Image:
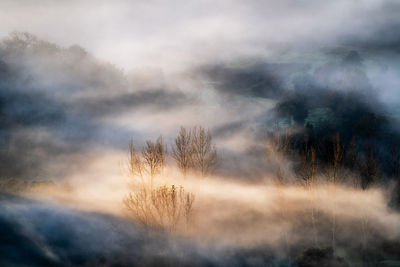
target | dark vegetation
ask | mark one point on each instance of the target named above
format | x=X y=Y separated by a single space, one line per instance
x=315 y=257
x=333 y=121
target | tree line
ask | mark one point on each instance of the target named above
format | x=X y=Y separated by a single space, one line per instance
x=364 y=162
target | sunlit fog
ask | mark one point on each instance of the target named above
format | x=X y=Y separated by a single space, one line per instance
x=200 y=133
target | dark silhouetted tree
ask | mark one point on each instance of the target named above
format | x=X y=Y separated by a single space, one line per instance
x=204 y=152
x=182 y=152
x=154 y=157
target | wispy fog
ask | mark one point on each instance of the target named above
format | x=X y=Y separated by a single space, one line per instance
x=301 y=99
x=167 y=34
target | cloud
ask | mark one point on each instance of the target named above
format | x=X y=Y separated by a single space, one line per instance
x=175 y=33
x=107 y=106
x=53 y=102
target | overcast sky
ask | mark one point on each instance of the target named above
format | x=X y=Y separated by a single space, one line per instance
x=159 y=33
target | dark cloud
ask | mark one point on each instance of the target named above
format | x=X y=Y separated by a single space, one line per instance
x=39 y=234
x=267 y=80
x=53 y=100
x=158 y=99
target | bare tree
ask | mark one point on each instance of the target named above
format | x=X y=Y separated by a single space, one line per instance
x=182 y=152
x=338 y=149
x=139 y=205
x=278 y=146
x=307 y=173
x=352 y=161
x=154 y=157
x=277 y=143
x=166 y=207
x=352 y=154
x=308 y=167
x=394 y=160
x=369 y=168
x=149 y=161
x=135 y=163
x=204 y=153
